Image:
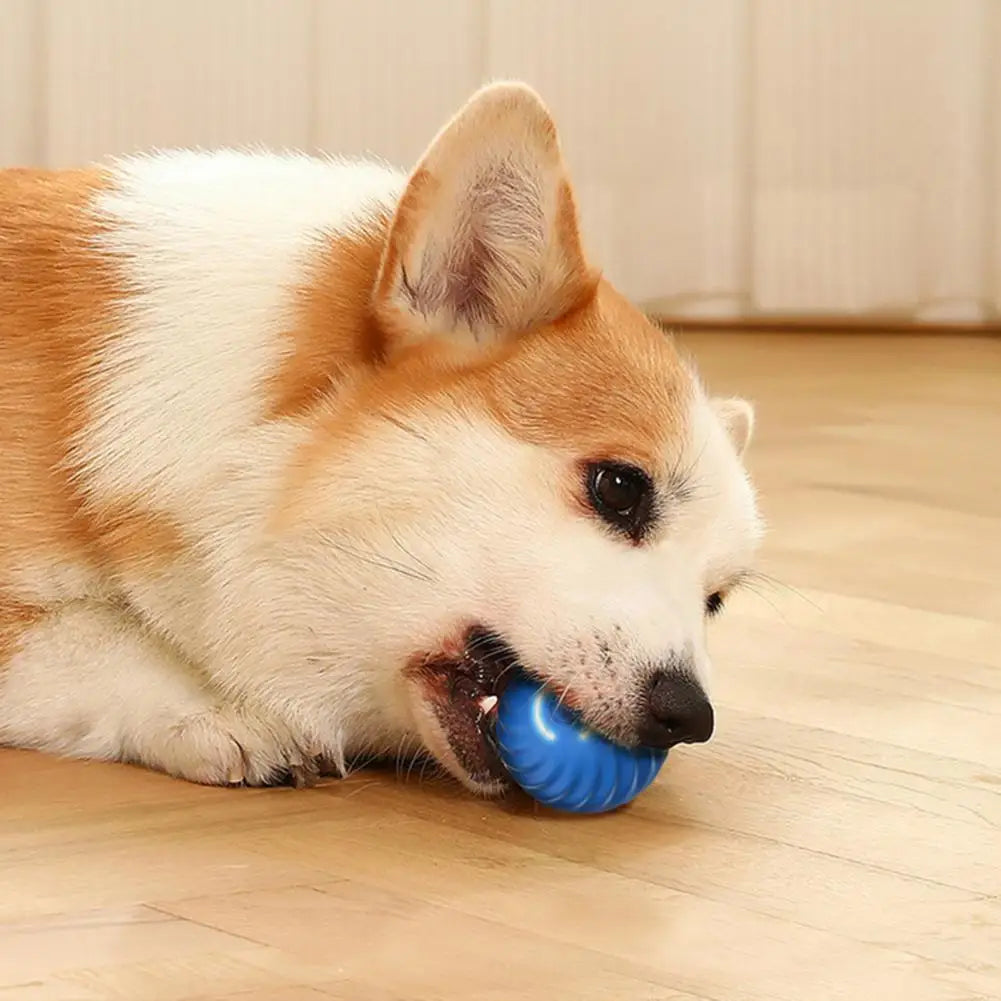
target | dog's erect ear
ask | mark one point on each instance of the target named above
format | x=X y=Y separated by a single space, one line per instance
x=737 y=418
x=485 y=238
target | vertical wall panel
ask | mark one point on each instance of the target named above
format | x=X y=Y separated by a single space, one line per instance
x=20 y=96
x=835 y=199
x=389 y=74
x=992 y=128
x=125 y=75
x=649 y=97
x=952 y=161
x=870 y=156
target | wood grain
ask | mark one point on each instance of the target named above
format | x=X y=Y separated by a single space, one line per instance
x=839 y=839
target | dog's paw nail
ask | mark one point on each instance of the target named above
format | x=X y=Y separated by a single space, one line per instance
x=304 y=776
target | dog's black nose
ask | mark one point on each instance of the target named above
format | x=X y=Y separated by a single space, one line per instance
x=676 y=711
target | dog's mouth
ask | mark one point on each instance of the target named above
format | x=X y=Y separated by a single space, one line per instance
x=461 y=690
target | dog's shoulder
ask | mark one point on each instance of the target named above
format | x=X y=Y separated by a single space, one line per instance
x=156 y=309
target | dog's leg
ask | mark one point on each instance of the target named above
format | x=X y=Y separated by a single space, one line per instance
x=85 y=680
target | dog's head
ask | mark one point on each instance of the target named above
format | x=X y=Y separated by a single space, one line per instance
x=528 y=475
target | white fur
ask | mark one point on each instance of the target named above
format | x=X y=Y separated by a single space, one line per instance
x=212 y=246
x=90 y=682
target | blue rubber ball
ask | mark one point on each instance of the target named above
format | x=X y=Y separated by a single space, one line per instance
x=562 y=763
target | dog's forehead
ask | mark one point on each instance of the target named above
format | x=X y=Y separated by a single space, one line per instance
x=603 y=382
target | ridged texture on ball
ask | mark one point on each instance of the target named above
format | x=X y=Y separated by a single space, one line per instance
x=559 y=761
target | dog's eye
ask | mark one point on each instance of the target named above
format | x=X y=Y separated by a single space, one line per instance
x=622 y=495
x=714 y=603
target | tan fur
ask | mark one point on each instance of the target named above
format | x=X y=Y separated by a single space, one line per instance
x=58 y=296
x=127 y=534
x=610 y=355
x=16 y=618
x=335 y=331
x=633 y=381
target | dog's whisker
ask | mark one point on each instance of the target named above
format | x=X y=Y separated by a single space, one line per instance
x=429 y=764
x=403 y=425
x=376 y=559
x=415 y=756
x=695 y=490
x=408 y=553
x=319 y=656
x=679 y=478
x=765 y=579
x=566 y=689
x=404 y=756
x=398 y=757
x=358 y=764
x=758 y=593
x=360 y=789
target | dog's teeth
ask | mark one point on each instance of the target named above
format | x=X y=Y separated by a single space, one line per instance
x=488 y=703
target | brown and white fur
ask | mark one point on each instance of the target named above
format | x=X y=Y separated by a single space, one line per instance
x=276 y=432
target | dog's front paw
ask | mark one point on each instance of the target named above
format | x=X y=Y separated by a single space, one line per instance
x=228 y=747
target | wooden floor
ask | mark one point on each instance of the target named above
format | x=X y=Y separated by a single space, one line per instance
x=839 y=839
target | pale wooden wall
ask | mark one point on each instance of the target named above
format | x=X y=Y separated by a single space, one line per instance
x=734 y=157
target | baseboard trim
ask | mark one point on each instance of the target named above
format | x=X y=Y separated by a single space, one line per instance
x=826 y=325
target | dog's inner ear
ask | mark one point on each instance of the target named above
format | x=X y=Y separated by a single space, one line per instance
x=485 y=239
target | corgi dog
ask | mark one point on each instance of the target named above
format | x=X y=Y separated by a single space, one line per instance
x=301 y=457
